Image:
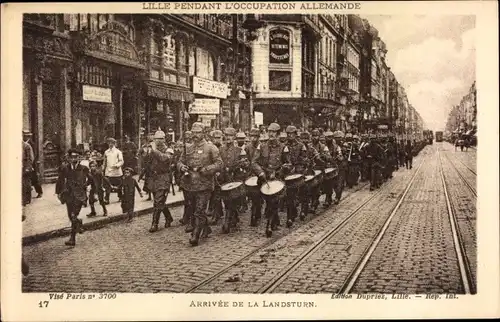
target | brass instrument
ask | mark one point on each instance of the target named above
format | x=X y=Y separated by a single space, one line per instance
x=350 y=153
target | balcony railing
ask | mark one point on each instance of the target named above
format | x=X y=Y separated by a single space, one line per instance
x=217 y=24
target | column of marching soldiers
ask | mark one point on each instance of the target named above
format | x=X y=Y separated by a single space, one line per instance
x=280 y=170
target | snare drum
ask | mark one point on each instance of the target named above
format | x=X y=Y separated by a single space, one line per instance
x=294 y=181
x=330 y=173
x=273 y=190
x=319 y=175
x=251 y=185
x=309 y=181
x=232 y=190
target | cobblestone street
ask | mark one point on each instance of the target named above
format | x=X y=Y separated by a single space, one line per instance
x=415 y=253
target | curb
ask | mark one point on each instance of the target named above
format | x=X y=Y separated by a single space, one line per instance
x=94 y=225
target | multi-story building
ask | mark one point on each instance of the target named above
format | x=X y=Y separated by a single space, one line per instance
x=91 y=76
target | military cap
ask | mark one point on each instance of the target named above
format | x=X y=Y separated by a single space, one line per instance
x=229 y=131
x=348 y=136
x=264 y=137
x=129 y=169
x=254 y=132
x=315 y=132
x=283 y=135
x=189 y=132
x=197 y=127
x=74 y=151
x=111 y=140
x=241 y=135
x=291 y=129
x=274 y=127
x=328 y=134
x=216 y=134
x=338 y=134
x=170 y=150
x=305 y=135
x=159 y=134
x=355 y=137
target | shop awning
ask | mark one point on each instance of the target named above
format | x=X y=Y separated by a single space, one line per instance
x=168 y=92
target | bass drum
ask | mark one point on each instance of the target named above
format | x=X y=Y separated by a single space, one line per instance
x=273 y=190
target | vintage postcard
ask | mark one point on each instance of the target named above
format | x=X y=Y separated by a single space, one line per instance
x=249 y=160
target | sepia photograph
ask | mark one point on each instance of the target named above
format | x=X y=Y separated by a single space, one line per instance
x=253 y=152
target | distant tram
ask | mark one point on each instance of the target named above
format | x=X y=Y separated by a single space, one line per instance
x=439 y=136
x=428 y=136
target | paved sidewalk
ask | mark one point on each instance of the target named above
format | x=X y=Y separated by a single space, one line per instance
x=47 y=217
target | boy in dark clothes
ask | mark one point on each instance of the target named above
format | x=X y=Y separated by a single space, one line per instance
x=98 y=186
x=128 y=186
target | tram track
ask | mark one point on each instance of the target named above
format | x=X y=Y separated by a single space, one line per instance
x=467 y=279
x=462 y=177
x=271 y=241
x=359 y=266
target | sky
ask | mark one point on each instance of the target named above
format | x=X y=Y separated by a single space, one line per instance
x=432 y=57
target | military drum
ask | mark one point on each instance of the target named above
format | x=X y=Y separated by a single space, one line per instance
x=294 y=181
x=232 y=190
x=273 y=190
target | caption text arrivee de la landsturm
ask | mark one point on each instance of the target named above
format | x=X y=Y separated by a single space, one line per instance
x=251 y=6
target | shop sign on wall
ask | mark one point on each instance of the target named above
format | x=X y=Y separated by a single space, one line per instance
x=205 y=106
x=209 y=87
x=259 y=118
x=96 y=94
x=279 y=46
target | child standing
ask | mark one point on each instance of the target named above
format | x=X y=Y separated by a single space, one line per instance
x=98 y=186
x=127 y=189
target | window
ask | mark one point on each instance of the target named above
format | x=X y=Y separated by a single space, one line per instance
x=169 y=52
x=204 y=64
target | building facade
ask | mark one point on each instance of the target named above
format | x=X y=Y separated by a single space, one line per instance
x=87 y=77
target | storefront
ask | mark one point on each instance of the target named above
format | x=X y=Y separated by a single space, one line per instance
x=107 y=81
x=46 y=93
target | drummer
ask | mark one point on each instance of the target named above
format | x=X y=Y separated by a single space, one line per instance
x=198 y=165
x=323 y=159
x=297 y=162
x=251 y=151
x=232 y=168
x=338 y=156
x=215 y=206
x=267 y=164
x=329 y=183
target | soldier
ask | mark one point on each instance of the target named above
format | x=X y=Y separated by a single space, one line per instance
x=199 y=164
x=71 y=189
x=374 y=155
x=342 y=166
x=334 y=150
x=230 y=154
x=215 y=206
x=283 y=137
x=409 y=154
x=252 y=150
x=309 y=194
x=267 y=164
x=297 y=163
x=365 y=165
x=240 y=139
x=320 y=163
x=159 y=184
x=242 y=175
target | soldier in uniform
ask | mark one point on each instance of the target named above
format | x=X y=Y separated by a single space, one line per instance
x=71 y=189
x=160 y=182
x=252 y=149
x=267 y=163
x=320 y=163
x=342 y=165
x=297 y=163
x=28 y=159
x=230 y=154
x=333 y=150
x=199 y=164
x=374 y=153
x=242 y=175
x=215 y=206
x=283 y=138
